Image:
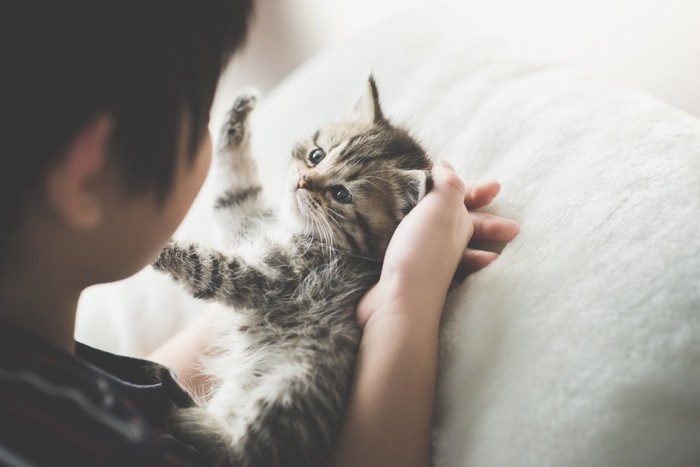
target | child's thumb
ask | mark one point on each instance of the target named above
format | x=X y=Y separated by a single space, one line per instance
x=445 y=178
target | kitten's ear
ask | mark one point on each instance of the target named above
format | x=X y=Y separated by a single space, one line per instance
x=367 y=107
x=414 y=185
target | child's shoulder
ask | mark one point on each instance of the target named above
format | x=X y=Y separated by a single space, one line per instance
x=93 y=408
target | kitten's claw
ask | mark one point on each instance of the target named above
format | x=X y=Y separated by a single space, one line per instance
x=235 y=129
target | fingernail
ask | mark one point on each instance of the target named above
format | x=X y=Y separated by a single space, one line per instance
x=444 y=163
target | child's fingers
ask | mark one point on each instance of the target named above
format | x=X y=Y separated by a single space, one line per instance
x=491 y=228
x=479 y=194
x=472 y=261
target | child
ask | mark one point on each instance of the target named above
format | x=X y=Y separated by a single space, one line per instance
x=104 y=147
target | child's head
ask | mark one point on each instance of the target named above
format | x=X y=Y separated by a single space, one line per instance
x=104 y=109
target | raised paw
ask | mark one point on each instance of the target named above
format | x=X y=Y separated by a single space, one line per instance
x=235 y=129
x=170 y=259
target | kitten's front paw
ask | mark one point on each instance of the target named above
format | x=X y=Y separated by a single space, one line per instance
x=235 y=129
x=169 y=258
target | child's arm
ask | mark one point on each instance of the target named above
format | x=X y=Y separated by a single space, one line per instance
x=389 y=415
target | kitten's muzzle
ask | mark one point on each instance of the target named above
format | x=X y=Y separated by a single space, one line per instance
x=305 y=183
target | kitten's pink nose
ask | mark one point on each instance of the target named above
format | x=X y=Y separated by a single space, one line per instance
x=305 y=183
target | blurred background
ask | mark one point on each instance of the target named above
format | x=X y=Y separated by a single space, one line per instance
x=651 y=45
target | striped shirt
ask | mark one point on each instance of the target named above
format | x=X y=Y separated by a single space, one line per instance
x=88 y=409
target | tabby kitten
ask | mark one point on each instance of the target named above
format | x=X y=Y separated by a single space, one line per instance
x=293 y=278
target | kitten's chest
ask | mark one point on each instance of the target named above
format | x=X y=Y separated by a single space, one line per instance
x=304 y=272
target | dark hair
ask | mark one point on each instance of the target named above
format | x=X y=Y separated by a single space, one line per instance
x=147 y=63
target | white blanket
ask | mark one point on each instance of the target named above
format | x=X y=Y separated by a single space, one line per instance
x=580 y=346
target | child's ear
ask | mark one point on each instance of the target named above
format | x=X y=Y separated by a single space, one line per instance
x=367 y=107
x=72 y=184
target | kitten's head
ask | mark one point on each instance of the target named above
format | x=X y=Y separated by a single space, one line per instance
x=353 y=181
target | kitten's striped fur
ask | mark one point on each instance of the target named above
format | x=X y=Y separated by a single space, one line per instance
x=294 y=277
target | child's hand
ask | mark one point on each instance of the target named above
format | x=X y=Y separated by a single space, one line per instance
x=429 y=246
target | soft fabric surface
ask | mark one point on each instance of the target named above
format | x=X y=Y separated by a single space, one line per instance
x=580 y=346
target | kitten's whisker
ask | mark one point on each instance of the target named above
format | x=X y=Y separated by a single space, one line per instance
x=334 y=220
x=366 y=258
x=333 y=211
x=331 y=238
x=330 y=235
x=328 y=232
x=320 y=228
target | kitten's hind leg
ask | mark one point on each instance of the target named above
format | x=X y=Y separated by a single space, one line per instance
x=290 y=426
x=238 y=192
x=209 y=435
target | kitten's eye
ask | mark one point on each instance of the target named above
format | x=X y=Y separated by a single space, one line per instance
x=316 y=155
x=341 y=194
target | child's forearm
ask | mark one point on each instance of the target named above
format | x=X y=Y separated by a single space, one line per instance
x=389 y=414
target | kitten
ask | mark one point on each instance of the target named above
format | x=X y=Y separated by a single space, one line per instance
x=293 y=277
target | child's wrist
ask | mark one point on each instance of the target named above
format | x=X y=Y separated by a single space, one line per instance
x=397 y=302
x=402 y=325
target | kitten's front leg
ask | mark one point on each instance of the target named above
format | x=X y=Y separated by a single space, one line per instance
x=239 y=193
x=212 y=275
